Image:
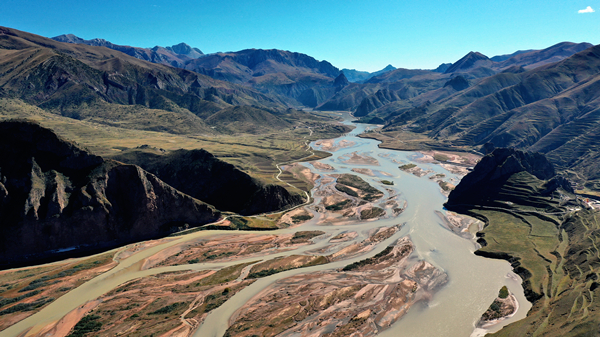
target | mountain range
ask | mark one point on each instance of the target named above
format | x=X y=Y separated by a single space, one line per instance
x=175 y=55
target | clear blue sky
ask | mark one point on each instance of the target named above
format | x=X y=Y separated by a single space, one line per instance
x=365 y=35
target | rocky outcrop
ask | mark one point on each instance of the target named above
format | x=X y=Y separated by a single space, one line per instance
x=491 y=176
x=457 y=83
x=58 y=199
x=201 y=175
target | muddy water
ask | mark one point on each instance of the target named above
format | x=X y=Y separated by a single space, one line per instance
x=453 y=311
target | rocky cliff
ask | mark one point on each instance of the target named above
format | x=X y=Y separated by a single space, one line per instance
x=201 y=175
x=507 y=175
x=58 y=199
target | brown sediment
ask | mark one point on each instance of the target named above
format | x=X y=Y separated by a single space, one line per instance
x=343 y=237
x=385 y=173
x=363 y=159
x=40 y=286
x=414 y=170
x=360 y=302
x=364 y=171
x=329 y=144
x=322 y=166
x=295 y=217
x=376 y=235
x=228 y=247
x=168 y=304
x=302 y=171
x=280 y=264
x=462 y=225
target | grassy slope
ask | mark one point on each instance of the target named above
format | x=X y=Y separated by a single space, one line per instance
x=553 y=248
x=255 y=154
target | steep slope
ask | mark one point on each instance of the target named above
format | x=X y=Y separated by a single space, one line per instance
x=175 y=56
x=199 y=174
x=533 y=221
x=57 y=199
x=470 y=61
x=243 y=119
x=537 y=58
x=299 y=77
x=79 y=80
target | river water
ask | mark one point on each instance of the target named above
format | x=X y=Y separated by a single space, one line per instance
x=454 y=310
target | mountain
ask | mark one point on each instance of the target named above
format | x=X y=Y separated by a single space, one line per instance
x=202 y=176
x=57 y=199
x=360 y=76
x=470 y=61
x=553 y=109
x=301 y=79
x=175 y=56
x=101 y=84
x=536 y=58
x=500 y=58
x=442 y=67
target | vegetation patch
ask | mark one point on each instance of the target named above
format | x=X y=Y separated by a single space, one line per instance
x=278 y=265
x=372 y=260
x=371 y=213
x=168 y=309
x=86 y=325
x=407 y=167
x=440 y=157
x=340 y=205
x=301 y=218
x=304 y=236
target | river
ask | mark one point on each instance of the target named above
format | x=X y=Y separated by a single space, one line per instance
x=453 y=311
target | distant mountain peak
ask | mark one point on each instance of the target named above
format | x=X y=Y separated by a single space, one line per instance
x=472 y=60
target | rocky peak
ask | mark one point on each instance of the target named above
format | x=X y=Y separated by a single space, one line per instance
x=470 y=61
x=341 y=80
x=185 y=49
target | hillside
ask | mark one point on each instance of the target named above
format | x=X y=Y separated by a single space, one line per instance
x=360 y=76
x=202 y=176
x=175 y=56
x=100 y=84
x=299 y=77
x=58 y=200
x=533 y=221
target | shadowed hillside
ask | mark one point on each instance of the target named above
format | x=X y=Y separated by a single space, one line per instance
x=57 y=199
x=533 y=221
x=201 y=175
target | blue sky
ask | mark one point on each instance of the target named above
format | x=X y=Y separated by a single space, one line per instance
x=365 y=35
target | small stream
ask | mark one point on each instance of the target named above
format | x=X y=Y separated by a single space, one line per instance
x=454 y=310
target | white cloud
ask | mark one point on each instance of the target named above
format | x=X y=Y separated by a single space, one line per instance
x=589 y=9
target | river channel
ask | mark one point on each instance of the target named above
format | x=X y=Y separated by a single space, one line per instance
x=454 y=310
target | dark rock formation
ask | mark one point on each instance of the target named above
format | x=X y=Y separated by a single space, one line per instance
x=489 y=180
x=201 y=175
x=58 y=199
x=340 y=81
x=457 y=83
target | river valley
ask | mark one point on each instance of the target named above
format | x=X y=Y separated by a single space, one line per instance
x=463 y=285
